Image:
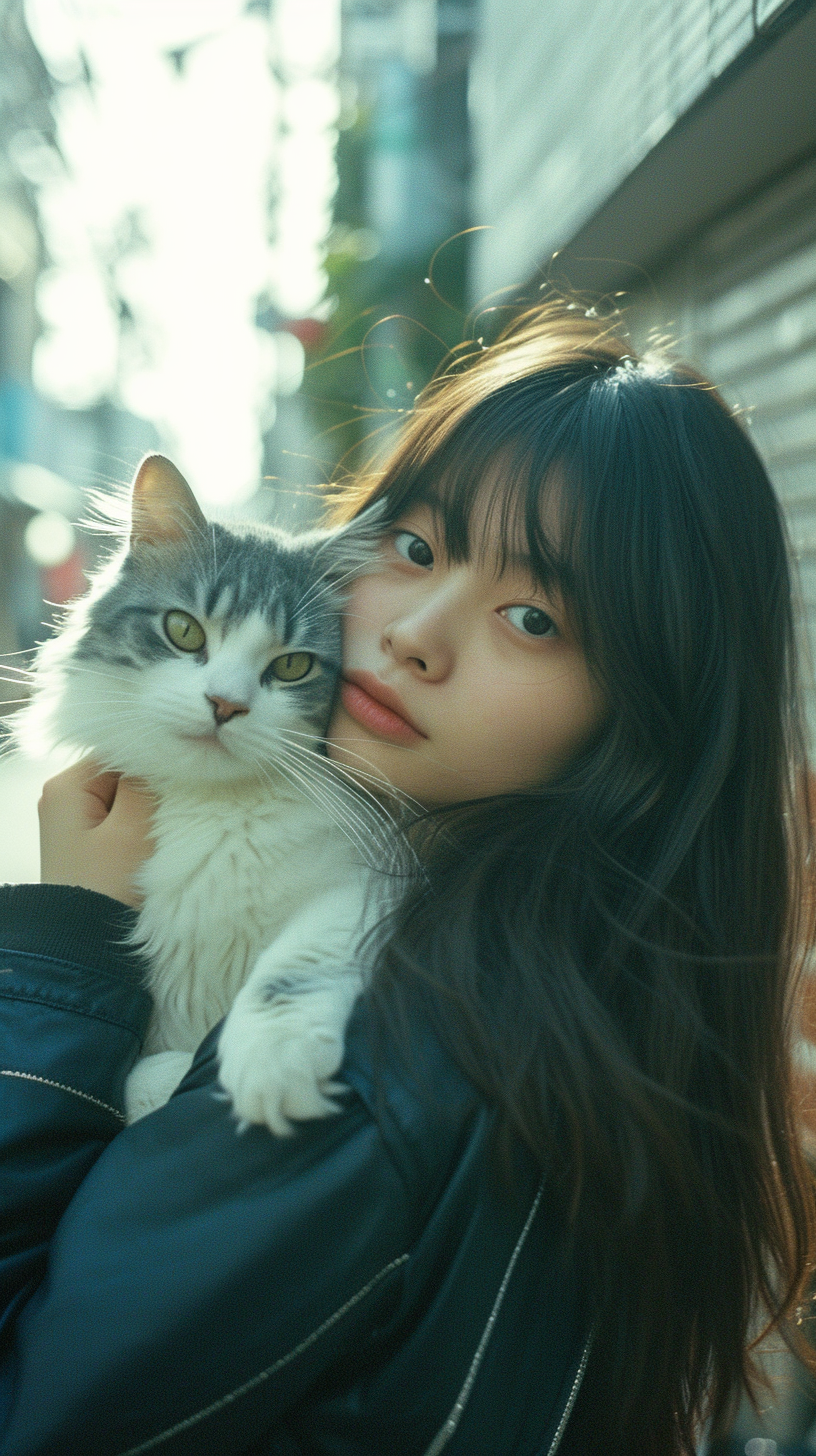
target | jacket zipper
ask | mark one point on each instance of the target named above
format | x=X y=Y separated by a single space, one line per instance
x=573 y=1395
x=448 y=1427
x=185 y=1425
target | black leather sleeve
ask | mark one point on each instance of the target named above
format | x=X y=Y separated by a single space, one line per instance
x=198 y=1280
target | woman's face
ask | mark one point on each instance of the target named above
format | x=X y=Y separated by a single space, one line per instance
x=458 y=681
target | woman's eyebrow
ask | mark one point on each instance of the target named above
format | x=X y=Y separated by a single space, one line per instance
x=511 y=558
x=518 y=561
x=427 y=496
x=523 y=564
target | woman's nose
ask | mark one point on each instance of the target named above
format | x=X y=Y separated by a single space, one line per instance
x=422 y=641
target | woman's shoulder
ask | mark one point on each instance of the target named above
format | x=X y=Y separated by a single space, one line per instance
x=411 y=1086
x=402 y=1095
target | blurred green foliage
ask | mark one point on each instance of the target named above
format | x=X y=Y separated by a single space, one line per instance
x=393 y=322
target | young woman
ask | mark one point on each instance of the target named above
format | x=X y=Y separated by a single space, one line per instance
x=566 y=1175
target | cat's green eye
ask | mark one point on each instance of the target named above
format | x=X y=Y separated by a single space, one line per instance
x=184 y=631
x=292 y=666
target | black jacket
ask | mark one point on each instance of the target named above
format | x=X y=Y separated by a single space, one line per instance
x=362 y=1288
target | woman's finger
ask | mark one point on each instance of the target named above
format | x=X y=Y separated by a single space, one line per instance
x=68 y=795
x=131 y=801
x=95 y=830
x=103 y=788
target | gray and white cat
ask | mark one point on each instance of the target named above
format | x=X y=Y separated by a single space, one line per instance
x=204 y=661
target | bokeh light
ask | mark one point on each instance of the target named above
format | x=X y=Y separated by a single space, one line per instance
x=175 y=118
x=49 y=538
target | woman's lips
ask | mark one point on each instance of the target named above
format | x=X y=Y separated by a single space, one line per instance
x=362 y=697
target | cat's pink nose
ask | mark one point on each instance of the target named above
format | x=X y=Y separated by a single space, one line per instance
x=223 y=709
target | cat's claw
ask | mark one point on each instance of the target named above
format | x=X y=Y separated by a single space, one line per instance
x=275 y=1070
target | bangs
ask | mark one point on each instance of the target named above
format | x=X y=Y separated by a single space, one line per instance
x=510 y=507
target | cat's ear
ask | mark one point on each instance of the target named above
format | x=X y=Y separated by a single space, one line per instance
x=163 y=508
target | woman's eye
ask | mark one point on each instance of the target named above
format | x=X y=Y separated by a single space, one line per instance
x=291 y=666
x=184 y=631
x=412 y=548
x=532 y=620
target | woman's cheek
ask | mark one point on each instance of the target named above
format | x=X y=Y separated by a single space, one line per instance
x=533 y=730
x=355 y=613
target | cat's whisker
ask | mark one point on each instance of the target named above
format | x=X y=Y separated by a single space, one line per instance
x=113 y=673
x=317 y=592
x=17 y=676
x=347 y=821
x=331 y=588
x=395 y=839
x=109 y=676
x=391 y=853
x=141 y=738
x=374 y=817
x=330 y=770
x=378 y=822
x=125 y=694
x=405 y=801
x=301 y=781
x=313 y=586
x=334 y=804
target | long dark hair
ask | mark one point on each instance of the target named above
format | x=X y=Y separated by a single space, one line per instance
x=614 y=957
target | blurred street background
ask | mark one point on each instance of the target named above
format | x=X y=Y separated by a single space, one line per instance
x=246 y=232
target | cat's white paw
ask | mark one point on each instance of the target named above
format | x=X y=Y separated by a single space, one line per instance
x=277 y=1063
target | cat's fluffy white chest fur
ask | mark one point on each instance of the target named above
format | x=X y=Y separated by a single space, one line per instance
x=272 y=857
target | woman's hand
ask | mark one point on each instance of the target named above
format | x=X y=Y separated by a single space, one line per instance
x=94 y=831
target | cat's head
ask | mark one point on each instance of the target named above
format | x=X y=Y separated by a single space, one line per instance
x=202 y=653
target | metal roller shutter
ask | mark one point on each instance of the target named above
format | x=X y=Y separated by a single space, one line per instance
x=743 y=300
